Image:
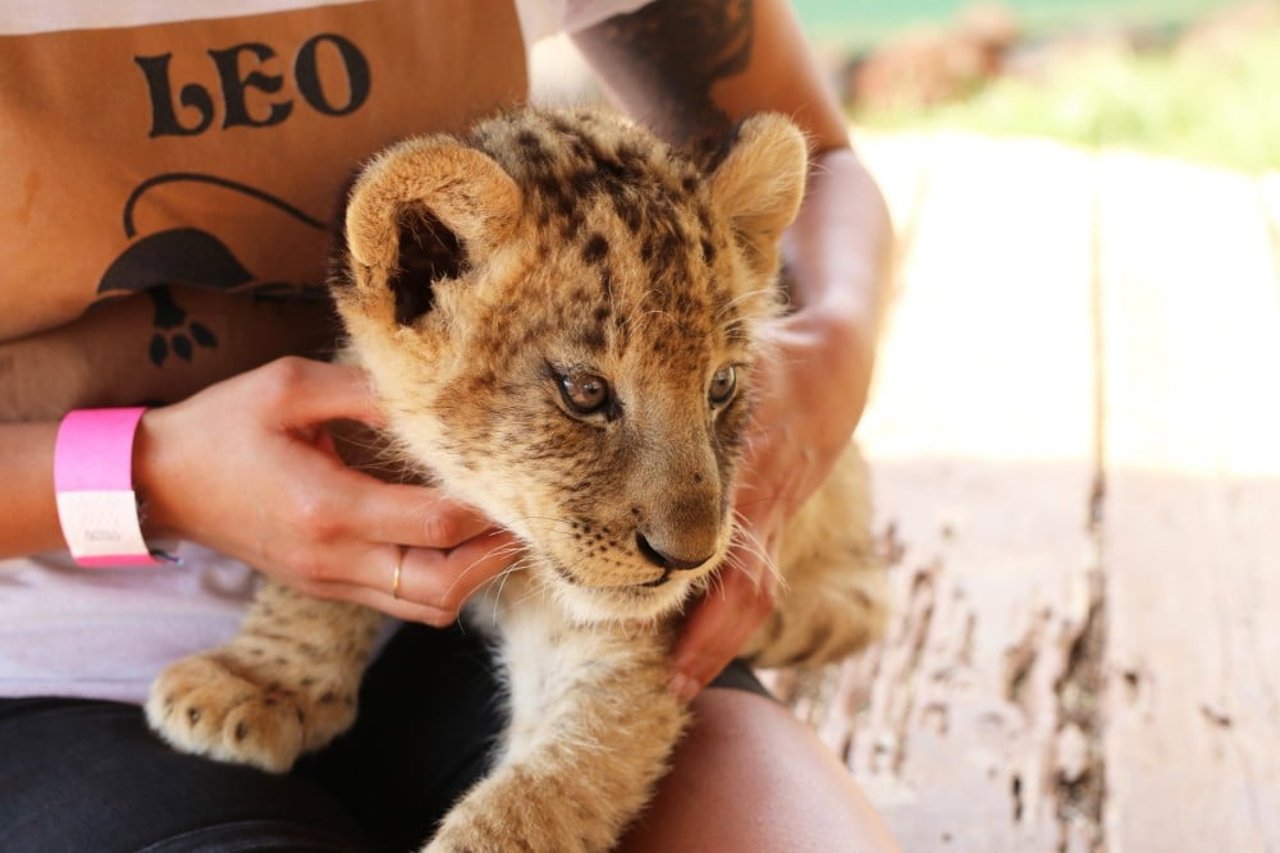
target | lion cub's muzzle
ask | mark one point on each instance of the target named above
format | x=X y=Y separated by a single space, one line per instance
x=682 y=535
x=652 y=577
x=668 y=562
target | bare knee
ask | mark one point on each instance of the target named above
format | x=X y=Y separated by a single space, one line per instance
x=749 y=776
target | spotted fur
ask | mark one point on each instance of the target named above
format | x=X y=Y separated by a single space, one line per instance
x=479 y=272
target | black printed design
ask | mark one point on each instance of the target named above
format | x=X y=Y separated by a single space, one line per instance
x=244 y=68
x=170 y=316
x=176 y=256
x=195 y=258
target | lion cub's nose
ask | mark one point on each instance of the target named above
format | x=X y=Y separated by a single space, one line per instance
x=667 y=561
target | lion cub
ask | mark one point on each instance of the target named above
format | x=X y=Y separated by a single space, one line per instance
x=561 y=315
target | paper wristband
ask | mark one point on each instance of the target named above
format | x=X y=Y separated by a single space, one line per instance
x=93 y=477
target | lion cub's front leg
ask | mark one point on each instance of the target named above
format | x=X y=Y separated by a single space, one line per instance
x=285 y=685
x=591 y=733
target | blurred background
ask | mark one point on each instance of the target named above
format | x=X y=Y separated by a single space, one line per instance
x=1074 y=431
x=1195 y=78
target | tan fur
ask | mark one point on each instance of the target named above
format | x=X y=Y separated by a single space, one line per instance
x=479 y=271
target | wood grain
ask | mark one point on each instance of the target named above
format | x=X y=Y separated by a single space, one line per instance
x=1075 y=444
x=982 y=434
x=1191 y=314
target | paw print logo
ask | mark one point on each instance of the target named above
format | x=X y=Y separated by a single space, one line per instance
x=191 y=257
x=174 y=334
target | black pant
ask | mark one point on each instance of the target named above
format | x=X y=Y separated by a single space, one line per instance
x=80 y=775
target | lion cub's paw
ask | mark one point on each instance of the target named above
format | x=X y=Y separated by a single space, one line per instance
x=515 y=810
x=216 y=705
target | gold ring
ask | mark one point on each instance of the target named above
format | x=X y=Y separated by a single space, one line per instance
x=395 y=580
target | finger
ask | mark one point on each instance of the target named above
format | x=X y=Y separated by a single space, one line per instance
x=433 y=570
x=717 y=629
x=409 y=611
x=443 y=579
x=416 y=516
x=446 y=579
x=431 y=586
x=312 y=392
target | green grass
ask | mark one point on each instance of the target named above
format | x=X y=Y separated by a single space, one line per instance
x=1221 y=107
x=847 y=23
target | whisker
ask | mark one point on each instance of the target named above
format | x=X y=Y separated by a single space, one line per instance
x=493 y=552
x=753 y=544
x=769 y=293
x=518 y=565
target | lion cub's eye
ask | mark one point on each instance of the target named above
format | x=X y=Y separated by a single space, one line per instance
x=584 y=393
x=723 y=384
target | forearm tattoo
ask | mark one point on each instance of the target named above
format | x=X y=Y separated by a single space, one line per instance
x=683 y=48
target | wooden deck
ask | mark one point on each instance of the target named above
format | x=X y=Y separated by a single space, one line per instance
x=1075 y=444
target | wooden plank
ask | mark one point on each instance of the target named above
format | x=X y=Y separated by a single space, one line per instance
x=981 y=437
x=1191 y=319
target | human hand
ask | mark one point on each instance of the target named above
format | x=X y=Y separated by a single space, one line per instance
x=809 y=396
x=248 y=467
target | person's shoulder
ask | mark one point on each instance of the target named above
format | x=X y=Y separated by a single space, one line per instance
x=543 y=18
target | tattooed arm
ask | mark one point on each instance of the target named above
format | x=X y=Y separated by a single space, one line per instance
x=663 y=61
x=691 y=69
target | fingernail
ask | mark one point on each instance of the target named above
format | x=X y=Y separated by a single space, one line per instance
x=682 y=687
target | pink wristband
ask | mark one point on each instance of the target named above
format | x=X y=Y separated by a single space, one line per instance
x=93 y=476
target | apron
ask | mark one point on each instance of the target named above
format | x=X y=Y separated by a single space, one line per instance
x=169 y=193
x=171 y=187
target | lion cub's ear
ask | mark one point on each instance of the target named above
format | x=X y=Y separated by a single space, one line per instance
x=425 y=210
x=759 y=184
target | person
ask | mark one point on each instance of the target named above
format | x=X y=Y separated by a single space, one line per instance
x=171 y=170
